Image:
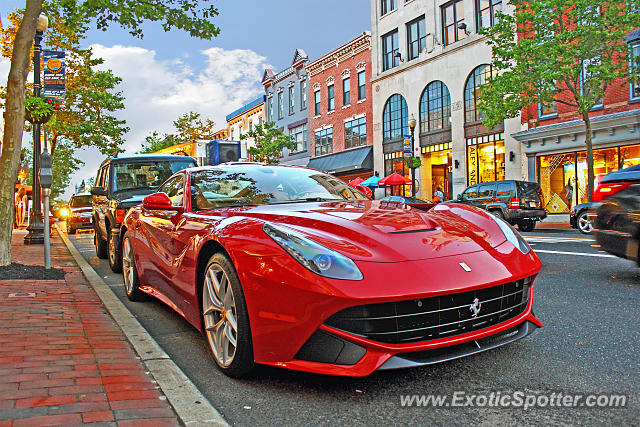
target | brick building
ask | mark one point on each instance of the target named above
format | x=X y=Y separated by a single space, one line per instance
x=556 y=152
x=287 y=104
x=340 y=110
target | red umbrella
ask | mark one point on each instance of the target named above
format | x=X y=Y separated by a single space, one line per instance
x=394 y=179
x=356 y=181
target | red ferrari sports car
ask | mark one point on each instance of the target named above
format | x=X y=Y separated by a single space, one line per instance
x=291 y=267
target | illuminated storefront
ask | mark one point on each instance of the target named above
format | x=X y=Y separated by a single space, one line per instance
x=485 y=159
x=435 y=171
x=563 y=176
x=394 y=162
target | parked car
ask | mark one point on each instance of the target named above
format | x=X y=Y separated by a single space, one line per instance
x=123 y=182
x=617 y=220
x=411 y=201
x=582 y=215
x=80 y=213
x=517 y=202
x=291 y=267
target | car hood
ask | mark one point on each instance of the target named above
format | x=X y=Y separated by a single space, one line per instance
x=385 y=232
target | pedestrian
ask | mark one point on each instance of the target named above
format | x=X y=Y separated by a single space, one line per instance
x=438 y=196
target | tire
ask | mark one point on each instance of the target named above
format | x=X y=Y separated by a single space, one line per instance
x=115 y=258
x=223 y=304
x=100 y=243
x=70 y=229
x=497 y=213
x=527 y=225
x=130 y=272
x=584 y=225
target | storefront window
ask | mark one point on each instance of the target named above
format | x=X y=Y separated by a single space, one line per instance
x=485 y=159
x=563 y=177
x=394 y=162
x=435 y=171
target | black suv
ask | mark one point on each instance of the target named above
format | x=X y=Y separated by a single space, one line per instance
x=122 y=182
x=517 y=202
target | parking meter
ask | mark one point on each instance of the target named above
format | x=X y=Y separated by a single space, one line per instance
x=46 y=179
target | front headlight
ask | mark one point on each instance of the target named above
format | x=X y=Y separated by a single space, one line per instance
x=64 y=212
x=315 y=257
x=512 y=235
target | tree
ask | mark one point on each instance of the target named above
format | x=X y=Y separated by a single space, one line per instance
x=563 y=51
x=193 y=17
x=188 y=127
x=155 y=142
x=269 y=143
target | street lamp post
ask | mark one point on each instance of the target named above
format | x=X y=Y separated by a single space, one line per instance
x=35 y=230
x=412 y=128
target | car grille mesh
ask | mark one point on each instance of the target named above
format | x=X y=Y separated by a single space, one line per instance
x=436 y=317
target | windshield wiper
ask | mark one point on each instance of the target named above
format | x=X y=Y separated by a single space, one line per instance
x=134 y=188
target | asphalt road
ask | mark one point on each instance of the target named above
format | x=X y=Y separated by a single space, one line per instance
x=590 y=344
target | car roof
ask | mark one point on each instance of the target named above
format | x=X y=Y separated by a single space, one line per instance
x=81 y=194
x=141 y=157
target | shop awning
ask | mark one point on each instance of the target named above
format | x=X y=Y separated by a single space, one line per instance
x=346 y=161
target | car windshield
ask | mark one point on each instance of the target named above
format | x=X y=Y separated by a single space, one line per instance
x=80 y=201
x=145 y=175
x=262 y=185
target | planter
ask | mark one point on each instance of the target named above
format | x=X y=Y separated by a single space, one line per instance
x=40 y=119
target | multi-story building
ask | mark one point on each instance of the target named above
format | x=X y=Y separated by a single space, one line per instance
x=340 y=121
x=555 y=149
x=243 y=120
x=287 y=104
x=428 y=61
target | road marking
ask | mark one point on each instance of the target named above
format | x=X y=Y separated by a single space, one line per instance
x=574 y=253
x=188 y=402
x=537 y=239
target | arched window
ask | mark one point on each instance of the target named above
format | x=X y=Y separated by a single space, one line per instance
x=395 y=118
x=435 y=107
x=478 y=78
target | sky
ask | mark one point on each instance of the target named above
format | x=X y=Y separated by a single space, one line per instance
x=168 y=74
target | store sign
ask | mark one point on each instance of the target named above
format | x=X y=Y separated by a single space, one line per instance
x=473 y=164
x=54 y=75
x=406 y=148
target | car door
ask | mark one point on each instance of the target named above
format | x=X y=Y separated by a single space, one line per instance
x=159 y=232
x=101 y=203
x=470 y=195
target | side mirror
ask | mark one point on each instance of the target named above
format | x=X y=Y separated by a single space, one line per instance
x=98 y=191
x=459 y=196
x=159 y=201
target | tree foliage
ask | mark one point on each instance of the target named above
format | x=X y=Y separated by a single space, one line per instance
x=563 y=51
x=194 y=17
x=269 y=143
x=190 y=126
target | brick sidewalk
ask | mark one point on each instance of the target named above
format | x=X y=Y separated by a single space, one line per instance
x=63 y=361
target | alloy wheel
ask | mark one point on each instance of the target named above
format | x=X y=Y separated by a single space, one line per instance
x=584 y=224
x=219 y=312
x=127 y=265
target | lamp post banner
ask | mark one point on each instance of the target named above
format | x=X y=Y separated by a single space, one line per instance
x=54 y=75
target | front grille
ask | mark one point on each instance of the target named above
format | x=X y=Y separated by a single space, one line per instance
x=436 y=317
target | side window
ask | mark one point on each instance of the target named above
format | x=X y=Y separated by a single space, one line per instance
x=103 y=177
x=174 y=188
x=504 y=190
x=470 y=193
x=485 y=190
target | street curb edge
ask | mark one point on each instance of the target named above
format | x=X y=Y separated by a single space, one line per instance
x=188 y=402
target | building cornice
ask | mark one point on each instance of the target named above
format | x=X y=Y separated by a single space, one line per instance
x=359 y=44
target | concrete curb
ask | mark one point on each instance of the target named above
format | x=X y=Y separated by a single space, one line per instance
x=188 y=402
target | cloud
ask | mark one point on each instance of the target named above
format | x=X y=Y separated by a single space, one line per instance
x=158 y=91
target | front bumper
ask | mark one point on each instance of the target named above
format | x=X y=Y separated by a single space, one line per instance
x=287 y=305
x=81 y=222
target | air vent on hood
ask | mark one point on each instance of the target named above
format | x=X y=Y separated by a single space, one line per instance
x=413 y=231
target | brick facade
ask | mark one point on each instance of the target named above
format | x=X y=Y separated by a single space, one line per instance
x=345 y=62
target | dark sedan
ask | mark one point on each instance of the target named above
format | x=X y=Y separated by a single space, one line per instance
x=618 y=223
